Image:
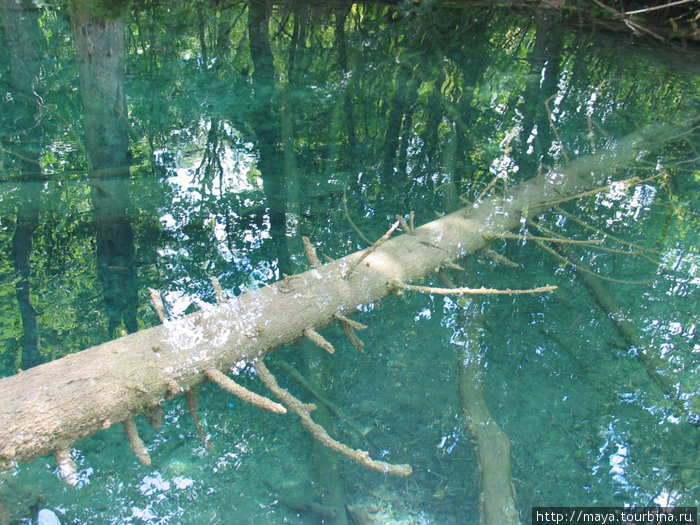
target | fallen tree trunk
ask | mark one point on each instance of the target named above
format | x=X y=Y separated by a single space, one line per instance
x=44 y=410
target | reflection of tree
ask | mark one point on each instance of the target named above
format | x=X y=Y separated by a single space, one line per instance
x=21 y=28
x=541 y=86
x=100 y=51
x=265 y=125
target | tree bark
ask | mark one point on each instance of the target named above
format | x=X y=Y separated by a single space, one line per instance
x=46 y=409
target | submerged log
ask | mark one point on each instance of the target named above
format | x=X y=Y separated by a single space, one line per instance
x=44 y=410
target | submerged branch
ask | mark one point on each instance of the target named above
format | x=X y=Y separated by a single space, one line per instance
x=319 y=433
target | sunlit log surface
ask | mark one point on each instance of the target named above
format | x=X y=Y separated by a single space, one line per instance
x=45 y=409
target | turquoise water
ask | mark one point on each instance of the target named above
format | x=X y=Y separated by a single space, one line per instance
x=209 y=138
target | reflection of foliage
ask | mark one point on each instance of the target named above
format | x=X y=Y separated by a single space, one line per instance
x=410 y=107
x=417 y=98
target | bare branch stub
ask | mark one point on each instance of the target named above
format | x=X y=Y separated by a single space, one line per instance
x=319 y=340
x=154 y=417
x=66 y=467
x=318 y=432
x=157 y=304
x=353 y=324
x=310 y=252
x=339 y=413
x=500 y=259
x=218 y=290
x=348 y=326
x=136 y=444
x=228 y=384
x=192 y=403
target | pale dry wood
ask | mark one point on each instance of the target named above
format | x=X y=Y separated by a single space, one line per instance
x=561 y=240
x=369 y=251
x=243 y=393
x=66 y=467
x=157 y=304
x=319 y=340
x=310 y=252
x=468 y=291
x=218 y=290
x=136 y=443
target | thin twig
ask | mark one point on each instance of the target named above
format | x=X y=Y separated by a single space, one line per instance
x=371 y=249
x=348 y=327
x=349 y=219
x=505 y=235
x=632 y=181
x=586 y=270
x=605 y=234
x=404 y=225
x=487 y=188
x=654 y=8
x=599 y=248
x=500 y=259
x=467 y=291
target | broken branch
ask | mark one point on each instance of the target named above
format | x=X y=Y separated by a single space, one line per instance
x=349 y=219
x=157 y=304
x=310 y=252
x=66 y=467
x=500 y=259
x=491 y=235
x=339 y=413
x=135 y=443
x=319 y=340
x=586 y=270
x=218 y=290
x=243 y=393
x=348 y=326
x=319 y=433
x=192 y=403
x=371 y=249
x=468 y=291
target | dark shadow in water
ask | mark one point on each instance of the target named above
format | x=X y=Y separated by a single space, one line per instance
x=20 y=21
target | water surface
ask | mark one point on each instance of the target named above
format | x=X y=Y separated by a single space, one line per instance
x=170 y=144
